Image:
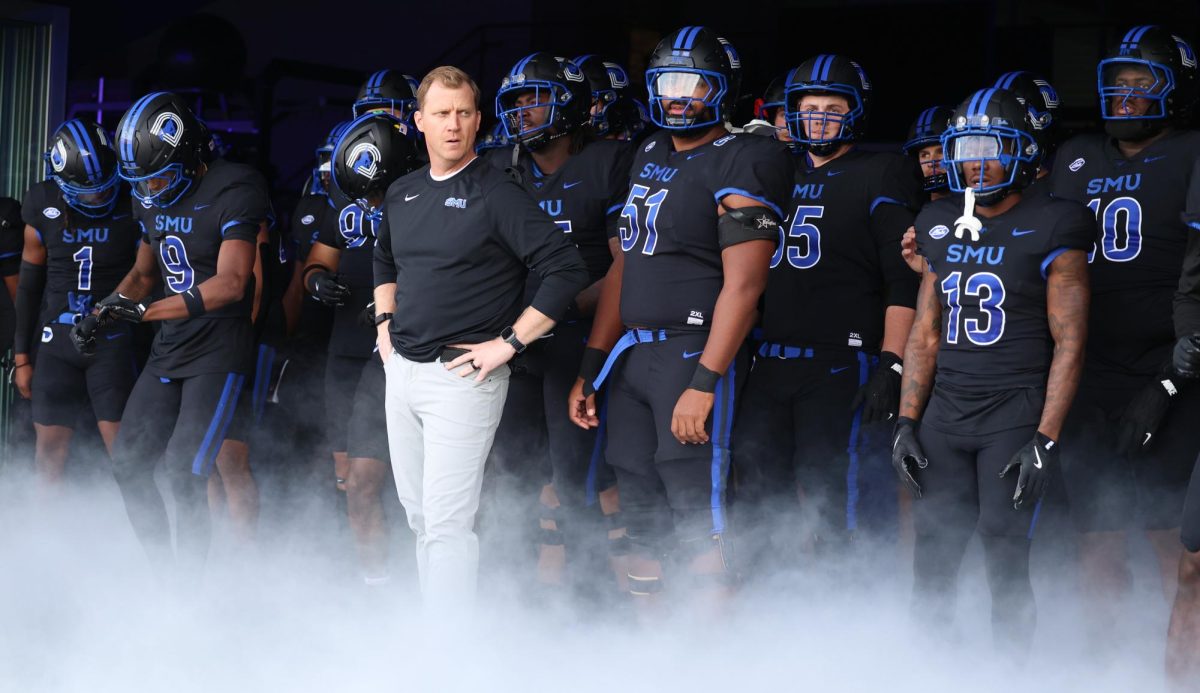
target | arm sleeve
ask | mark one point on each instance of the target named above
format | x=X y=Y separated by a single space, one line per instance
x=1187 y=294
x=29 y=302
x=385 y=264
x=244 y=205
x=533 y=238
x=893 y=209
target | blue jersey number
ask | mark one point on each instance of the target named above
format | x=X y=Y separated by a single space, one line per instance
x=1121 y=229
x=84 y=257
x=632 y=230
x=180 y=276
x=797 y=257
x=987 y=287
x=350 y=224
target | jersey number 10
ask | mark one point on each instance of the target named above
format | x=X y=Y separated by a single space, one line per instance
x=1126 y=209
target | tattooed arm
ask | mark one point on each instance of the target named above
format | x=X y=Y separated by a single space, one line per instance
x=920 y=355
x=1067 y=296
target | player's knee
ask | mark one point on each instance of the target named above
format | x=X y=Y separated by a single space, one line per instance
x=619 y=544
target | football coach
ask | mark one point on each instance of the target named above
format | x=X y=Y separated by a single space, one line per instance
x=456 y=243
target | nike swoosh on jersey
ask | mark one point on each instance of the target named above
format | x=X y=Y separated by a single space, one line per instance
x=1023 y=232
x=568 y=186
x=835 y=371
x=202 y=206
x=831 y=174
x=407 y=198
x=111 y=337
x=1153 y=158
x=693 y=156
x=690 y=354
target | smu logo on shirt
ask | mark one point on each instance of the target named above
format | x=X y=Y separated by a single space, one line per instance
x=1125 y=183
x=663 y=174
x=458 y=202
x=808 y=191
x=168 y=224
x=93 y=235
x=981 y=255
x=551 y=207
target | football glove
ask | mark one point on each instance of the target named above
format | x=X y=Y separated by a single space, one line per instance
x=907 y=455
x=1186 y=359
x=1138 y=422
x=83 y=334
x=118 y=307
x=367 y=317
x=880 y=396
x=1034 y=462
x=326 y=288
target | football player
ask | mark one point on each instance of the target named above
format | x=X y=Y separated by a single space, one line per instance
x=544 y=106
x=924 y=144
x=372 y=151
x=698 y=229
x=836 y=314
x=1130 y=440
x=200 y=224
x=770 y=117
x=992 y=362
x=80 y=240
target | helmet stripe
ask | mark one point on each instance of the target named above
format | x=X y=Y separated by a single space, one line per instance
x=1142 y=32
x=1006 y=80
x=825 y=70
x=521 y=65
x=87 y=152
x=974 y=102
x=131 y=124
x=816 y=69
x=691 y=38
x=679 y=38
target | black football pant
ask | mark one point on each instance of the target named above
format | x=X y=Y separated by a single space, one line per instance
x=182 y=421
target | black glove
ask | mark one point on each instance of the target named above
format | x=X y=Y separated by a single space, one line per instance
x=117 y=307
x=589 y=368
x=1186 y=359
x=83 y=334
x=1035 y=460
x=1139 y=420
x=880 y=396
x=907 y=455
x=367 y=317
x=326 y=288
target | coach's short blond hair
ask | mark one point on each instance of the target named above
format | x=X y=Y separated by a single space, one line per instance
x=450 y=77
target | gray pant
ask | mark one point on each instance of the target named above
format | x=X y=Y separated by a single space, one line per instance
x=440 y=429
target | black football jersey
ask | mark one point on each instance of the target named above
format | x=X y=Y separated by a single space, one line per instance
x=85 y=258
x=307 y=220
x=668 y=227
x=838 y=265
x=1139 y=245
x=349 y=230
x=228 y=203
x=993 y=291
x=584 y=197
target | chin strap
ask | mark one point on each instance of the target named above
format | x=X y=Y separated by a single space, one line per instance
x=968 y=221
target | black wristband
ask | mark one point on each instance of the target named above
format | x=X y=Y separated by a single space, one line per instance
x=382 y=318
x=590 y=366
x=310 y=274
x=194 y=302
x=704 y=380
x=906 y=421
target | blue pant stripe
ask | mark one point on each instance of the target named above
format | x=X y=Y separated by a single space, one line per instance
x=1037 y=509
x=592 y=494
x=230 y=412
x=199 y=462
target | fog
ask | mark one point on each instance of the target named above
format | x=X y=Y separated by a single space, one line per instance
x=80 y=611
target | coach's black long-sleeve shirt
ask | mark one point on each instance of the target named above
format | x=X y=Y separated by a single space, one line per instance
x=459 y=251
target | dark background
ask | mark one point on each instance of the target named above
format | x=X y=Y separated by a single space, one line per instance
x=275 y=76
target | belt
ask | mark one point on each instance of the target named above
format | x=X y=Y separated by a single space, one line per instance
x=638 y=336
x=783 y=351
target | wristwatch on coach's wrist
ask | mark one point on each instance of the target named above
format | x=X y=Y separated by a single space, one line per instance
x=382 y=318
x=510 y=337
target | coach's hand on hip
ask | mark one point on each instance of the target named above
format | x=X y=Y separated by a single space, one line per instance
x=482 y=358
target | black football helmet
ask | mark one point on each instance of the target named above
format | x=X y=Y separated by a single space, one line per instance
x=158 y=148
x=561 y=98
x=629 y=119
x=1146 y=82
x=689 y=65
x=322 y=172
x=608 y=82
x=81 y=161
x=827 y=74
x=1040 y=99
x=990 y=125
x=927 y=130
x=495 y=139
x=388 y=89
x=373 y=150
x=772 y=100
